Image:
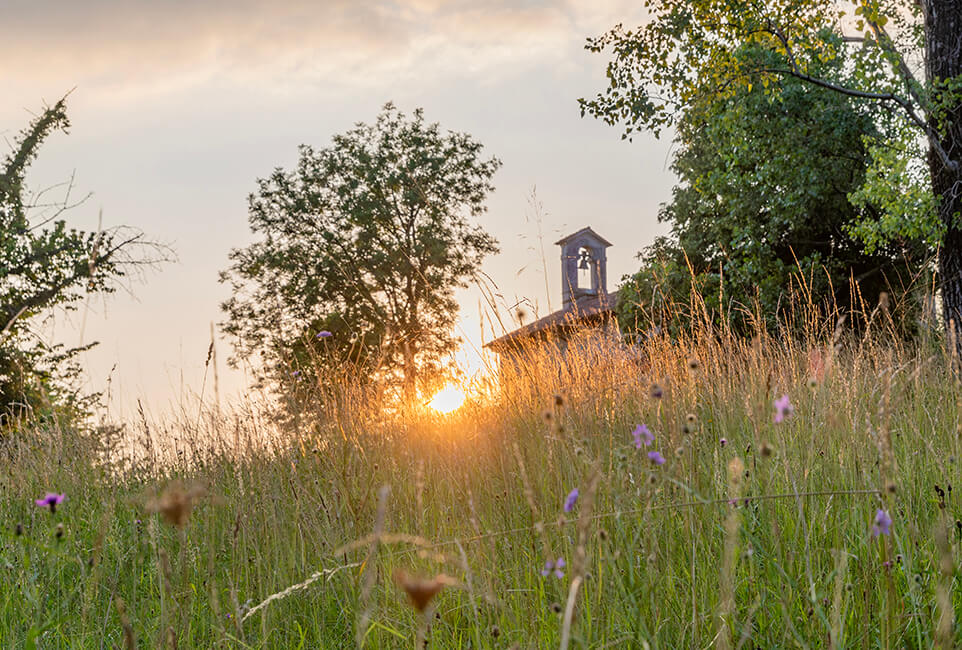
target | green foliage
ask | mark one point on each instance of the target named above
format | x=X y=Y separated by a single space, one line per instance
x=366 y=239
x=896 y=195
x=762 y=208
x=691 y=53
x=44 y=265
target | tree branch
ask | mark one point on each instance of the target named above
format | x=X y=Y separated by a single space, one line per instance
x=906 y=105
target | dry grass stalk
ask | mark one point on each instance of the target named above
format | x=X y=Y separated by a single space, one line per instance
x=368 y=565
x=945 y=615
x=841 y=568
x=130 y=641
x=726 y=599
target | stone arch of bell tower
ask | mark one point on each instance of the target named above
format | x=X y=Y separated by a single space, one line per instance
x=584 y=266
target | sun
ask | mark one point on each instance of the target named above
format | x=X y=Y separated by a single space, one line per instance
x=448 y=399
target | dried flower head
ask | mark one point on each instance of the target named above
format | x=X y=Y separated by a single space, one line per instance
x=420 y=591
x=59 y=531
x=50 y=500
x=176 y=503
x=657 y=392
x=559 y=400
x=691 y=418
x=693 y=364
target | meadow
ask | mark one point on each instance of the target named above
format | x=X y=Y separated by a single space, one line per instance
x=808 y=497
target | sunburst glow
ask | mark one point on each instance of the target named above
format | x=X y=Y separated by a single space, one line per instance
x=448 y=399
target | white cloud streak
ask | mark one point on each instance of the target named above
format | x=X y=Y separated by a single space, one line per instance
x=110 y=43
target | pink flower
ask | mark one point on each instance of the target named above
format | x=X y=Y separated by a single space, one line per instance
x=883 y=524
x=555 y=566
x=783 y=409
x=50 y=500
x=642 y=436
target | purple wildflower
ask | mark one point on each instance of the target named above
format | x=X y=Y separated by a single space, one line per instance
x=723 y=442
x=783 y=409
x=883 y=524
x=50 y=500
x=323 y=334
x=642 y=436
x=555 y=566
x=571 y=500
x=656 y=458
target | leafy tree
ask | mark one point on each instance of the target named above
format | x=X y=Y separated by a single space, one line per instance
x=46 y=265
x=763 y=204
x=689 y=51
x=365 y=239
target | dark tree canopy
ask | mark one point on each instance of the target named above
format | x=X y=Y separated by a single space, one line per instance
x=763 y=208
x=366 y=239
x=689 y=50
x=44 y=264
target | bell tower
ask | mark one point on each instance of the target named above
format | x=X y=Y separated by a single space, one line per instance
x=584 y=266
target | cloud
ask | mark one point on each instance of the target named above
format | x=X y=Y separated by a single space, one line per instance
x=112 y=43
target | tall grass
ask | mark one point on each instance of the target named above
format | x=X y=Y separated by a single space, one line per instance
x=752 y=533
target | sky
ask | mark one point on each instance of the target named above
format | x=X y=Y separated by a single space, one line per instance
x=179 y=106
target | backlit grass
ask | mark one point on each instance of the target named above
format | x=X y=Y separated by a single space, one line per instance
x=752 y=533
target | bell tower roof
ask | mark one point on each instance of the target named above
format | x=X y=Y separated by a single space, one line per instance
x=587 y=232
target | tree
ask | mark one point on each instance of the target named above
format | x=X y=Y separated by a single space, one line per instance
x=762 y=204
x=365 y=240
x=44 y=265
x=688 y=51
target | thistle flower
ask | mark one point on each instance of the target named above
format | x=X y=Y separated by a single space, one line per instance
x=783 y=409
x=882 y=525
x=50 y=500
x=555 y=566
x=642 y=436
x=571 y=499
x=656 y=458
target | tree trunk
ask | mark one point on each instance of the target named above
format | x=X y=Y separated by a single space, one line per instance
x=943 y=60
